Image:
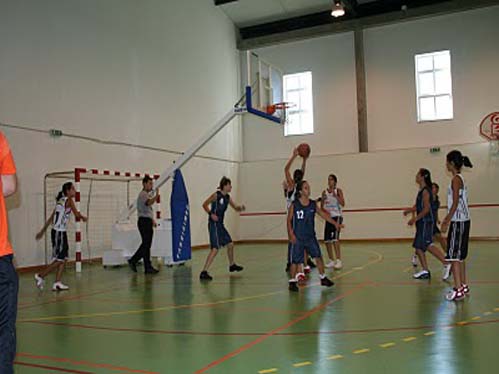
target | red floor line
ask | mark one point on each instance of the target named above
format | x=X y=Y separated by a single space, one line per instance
x=52 y=368
x=304 y=333
x=278 y=329
x=83 y=363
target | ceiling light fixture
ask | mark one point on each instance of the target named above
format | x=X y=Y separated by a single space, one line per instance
x=338 y=9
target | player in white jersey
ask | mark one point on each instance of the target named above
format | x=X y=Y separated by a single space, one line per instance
x=458 y=221
x=333 y=201
x=59 y=220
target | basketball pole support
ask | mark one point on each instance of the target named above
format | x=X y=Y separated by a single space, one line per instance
x=244 y=105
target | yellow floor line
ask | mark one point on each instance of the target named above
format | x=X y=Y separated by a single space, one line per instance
x=266 y=371
x=387 y=345
x=409 y=339
x=429 y=333
x=496 y=309
x=360 y=351
x=335 y=357
x=300 y=364
x=379 y=258
x=476 y=318
x=462 y=323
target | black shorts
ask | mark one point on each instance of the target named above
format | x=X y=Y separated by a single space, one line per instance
x=457 y=241
x=60 y=247
x=297 y=250
x=331 y=234
x=219 y=236
x=424 y=235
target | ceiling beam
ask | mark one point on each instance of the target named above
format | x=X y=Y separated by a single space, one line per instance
x=348 y=23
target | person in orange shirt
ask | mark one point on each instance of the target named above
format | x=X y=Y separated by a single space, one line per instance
x=8 y=277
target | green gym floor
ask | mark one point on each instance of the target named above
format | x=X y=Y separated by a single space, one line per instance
x=376 y=319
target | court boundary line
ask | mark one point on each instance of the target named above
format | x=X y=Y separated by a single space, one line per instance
x=280 y=328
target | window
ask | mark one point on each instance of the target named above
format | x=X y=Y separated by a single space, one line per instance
x=434 y=86
x=298 y=92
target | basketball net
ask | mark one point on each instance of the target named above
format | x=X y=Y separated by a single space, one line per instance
x=280 y=110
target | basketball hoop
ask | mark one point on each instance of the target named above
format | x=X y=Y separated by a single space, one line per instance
x=280 y=110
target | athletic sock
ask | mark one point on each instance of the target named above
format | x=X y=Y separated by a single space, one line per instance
x=322 y=276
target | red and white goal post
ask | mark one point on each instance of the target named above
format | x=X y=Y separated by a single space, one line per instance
x=103 y=196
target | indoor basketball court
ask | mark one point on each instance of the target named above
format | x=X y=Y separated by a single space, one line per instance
x=249 y=186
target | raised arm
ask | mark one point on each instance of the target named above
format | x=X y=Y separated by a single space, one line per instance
x=287 y=168
x=237 y=208
x=39 y=235
x=304 y=165
x=77 y=214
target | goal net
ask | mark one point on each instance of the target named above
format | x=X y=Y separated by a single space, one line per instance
x=102 y=196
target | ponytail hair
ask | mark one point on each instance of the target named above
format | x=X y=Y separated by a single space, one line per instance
x=224 y=182
x=64 y=191
x=297 y=175
x=425 y=173
x=457 y=159
x=299 y=188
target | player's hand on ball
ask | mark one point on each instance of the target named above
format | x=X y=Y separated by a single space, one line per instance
x=295 y=152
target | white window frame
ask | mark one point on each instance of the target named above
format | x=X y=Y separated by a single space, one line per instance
x=435 y=95
x=296 y=108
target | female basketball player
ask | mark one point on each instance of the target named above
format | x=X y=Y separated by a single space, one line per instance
x=458 y=217
x=289 y=193
x=437 y=235
x=333 y=201
x=301 y=233
x=215 y=206
x=59 y=220
x=423 y=240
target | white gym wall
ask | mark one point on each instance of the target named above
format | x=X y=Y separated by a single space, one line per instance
x=385 y=177
x=153 y=72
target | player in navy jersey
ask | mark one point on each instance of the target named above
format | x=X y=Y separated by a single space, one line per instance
x=301 y=233
x=459 y=219
x=216 y=205
x=59 y=220
x=423 y=220
x=289 y=186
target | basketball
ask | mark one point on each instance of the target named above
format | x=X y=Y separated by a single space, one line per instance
x=304 y=150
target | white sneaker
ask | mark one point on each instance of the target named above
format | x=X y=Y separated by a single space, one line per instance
x=338 y=264
x=39 y=281
x=300 y=277
x=414 y=260
x=446 y=272
x=330 y=264
x=423 y=274
x=59 y=286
